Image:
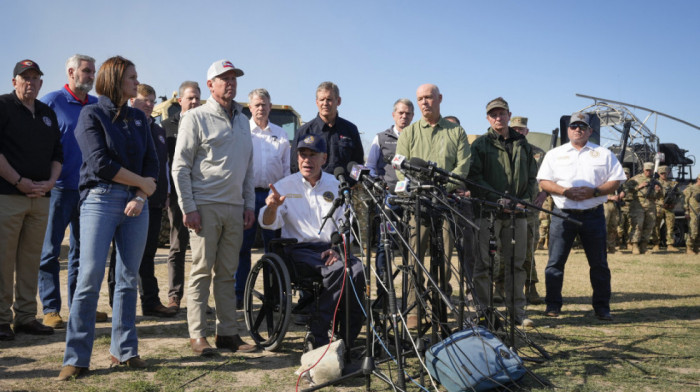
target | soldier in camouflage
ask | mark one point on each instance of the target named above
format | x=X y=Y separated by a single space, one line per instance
x=664 y=209
x=644 y=191
x=544 y=217
x=623 y=226
x=691 y=204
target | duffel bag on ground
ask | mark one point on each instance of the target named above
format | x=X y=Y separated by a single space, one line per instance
x=473 y=360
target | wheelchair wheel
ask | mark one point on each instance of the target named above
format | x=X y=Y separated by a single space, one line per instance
x=267 y=301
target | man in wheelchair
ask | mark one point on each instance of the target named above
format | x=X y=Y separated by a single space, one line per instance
x=297 y=205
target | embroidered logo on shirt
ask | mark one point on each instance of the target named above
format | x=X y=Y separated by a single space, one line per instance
x=138 y=123
x=328 y=196
x=595 y=154
x=563 y=157
x=47 y=121
x=293 y=196
x=161 y=138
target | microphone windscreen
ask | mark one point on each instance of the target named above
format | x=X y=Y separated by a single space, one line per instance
x=417 y=162
x=339 y=171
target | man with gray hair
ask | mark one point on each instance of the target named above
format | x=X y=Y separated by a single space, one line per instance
x=341 y=136
x=179 y=236
x=270 y=164
x=213 y=172
x=67 y=102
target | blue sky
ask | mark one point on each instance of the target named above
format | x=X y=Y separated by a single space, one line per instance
x=536 y=54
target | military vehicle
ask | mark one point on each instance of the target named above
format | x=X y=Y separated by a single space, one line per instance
x=283 y=115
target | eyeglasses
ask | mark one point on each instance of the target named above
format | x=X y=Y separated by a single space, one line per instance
x=583 y=127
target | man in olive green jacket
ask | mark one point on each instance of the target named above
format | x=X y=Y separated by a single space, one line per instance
x=502 y=161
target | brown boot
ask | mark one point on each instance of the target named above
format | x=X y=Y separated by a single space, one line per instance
x=533 y=298
x=540 y=244
x=635 y=249
x=656 y=248
x=689 y=250
x=672 y=248
x=643 y=247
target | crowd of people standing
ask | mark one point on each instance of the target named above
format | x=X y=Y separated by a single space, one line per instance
x=103 y=167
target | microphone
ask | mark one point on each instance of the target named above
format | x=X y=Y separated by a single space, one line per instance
x=336 y=203
x=343 y=187
x=399 y=163
x=361 y=173
x=433 y=168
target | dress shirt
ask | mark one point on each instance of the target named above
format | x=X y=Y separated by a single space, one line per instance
x=270 y=154
x=592 y=166
x=67 y=108
x=302 y=212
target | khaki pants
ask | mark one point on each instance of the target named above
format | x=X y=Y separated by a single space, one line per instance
x=448 y=243
x=214 y=256
x=22 y=229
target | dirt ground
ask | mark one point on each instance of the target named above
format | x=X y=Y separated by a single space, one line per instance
x=653 y=336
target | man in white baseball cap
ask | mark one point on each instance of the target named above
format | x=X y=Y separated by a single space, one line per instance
x=213 y=174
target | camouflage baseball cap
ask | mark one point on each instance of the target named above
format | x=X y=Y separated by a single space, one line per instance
x=648 y=165
x=520 y=122
x=663 y=169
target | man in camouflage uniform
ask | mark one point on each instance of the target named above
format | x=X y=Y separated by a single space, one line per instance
x=642 y=207
x=623 y=226
x=665 y=212
x=543 y=243
x=612 y=219
x=691 y=204
x=533 y=223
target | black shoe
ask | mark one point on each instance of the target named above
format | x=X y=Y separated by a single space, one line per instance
x=34 y=328
x=551 y=312
x=309 y=342
x=6 y=332
x=239 y=305
x=604 y=315
x=301 y=319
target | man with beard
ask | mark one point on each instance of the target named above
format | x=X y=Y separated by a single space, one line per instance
x=63 y=208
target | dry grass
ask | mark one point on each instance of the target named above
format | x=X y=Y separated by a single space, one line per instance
x=651 y=345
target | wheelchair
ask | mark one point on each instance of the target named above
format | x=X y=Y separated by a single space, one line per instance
x=267 y=299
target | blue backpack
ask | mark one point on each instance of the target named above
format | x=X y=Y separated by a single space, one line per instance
x=473 y=360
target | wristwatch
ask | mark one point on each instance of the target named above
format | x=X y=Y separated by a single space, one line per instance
x=596 y=192
x=140 y=199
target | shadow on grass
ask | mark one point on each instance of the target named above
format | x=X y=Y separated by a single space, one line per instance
x=632 y=297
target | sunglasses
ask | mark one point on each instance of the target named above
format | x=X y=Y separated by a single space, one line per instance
x=577 y=126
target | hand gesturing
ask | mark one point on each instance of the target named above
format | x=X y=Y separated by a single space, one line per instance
x=274 y=199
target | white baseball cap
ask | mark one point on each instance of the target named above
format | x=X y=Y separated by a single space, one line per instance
x=222 y=66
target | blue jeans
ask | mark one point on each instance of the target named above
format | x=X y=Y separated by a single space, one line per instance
x=593 y=238
x=102 y=218
x=248 y=240
x=63 y=210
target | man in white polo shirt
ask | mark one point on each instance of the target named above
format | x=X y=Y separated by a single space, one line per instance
x=579 y=175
